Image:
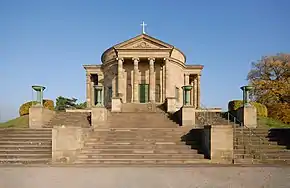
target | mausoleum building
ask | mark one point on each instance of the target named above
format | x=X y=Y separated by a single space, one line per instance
x=142 y=70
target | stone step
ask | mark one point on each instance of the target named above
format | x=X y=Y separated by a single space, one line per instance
x=117 y=139
x=22 y=155
x=138 y=151
x=137 y=143
x=24 y=135
x=23 y=139
x=25 y=161
x=26 y=151
x=20 y=143
x=26 y=130
x=25 y=147
x=114 y=146
x=254 y=142
x=246 y=161
x=142 y=161
x=141 y=156
x=275 y=161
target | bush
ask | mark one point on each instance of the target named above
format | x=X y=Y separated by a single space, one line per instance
x=24 y=108
x=234 y=105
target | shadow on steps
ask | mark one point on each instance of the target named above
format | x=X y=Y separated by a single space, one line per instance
x=280 y=135
x=194 y=139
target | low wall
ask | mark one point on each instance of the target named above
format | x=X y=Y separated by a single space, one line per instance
x=39 y=116
x=78 y=110
x=218 y=144
x=66 y=142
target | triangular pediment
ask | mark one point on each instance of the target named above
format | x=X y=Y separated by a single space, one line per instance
x=143 y=42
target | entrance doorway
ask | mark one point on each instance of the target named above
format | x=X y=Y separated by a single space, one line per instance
x=143 y=93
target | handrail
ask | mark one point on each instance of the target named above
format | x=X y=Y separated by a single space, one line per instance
x=207 y=119
x=261 y=139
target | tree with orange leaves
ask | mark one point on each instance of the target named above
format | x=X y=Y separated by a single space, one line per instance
x=270 y=77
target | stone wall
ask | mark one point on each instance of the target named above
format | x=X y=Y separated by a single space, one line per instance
x=218 y=143
x=39 y=116
x=66 y=142
x=175 y=79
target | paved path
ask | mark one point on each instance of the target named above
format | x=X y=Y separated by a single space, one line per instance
x=141 y=177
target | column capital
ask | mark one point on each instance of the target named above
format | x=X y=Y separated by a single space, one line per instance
x=187 y=74
x=151 y=59
x=136 y=59
x=165 y=58
x=120 y=59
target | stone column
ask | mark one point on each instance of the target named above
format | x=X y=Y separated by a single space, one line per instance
x=167 y=81
x=192 y=94
x=151 y=80
x=136 y=81
x=198 y=91
x=195 y=92
x=186 y=79
x=120 y=89
x=92 y=91
x=163 y=84
x=88 y=88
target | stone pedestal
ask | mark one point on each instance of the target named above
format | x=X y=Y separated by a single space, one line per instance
x=171 y=104
x=39 y=116
x=217 y=143
x=188 y=116
x=116 y=104
x=248 y=116
x=99 y=116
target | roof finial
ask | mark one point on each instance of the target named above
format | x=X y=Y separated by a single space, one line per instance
x=143 y=27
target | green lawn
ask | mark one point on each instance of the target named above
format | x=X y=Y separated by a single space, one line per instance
x=20 y=122
x=271 y=123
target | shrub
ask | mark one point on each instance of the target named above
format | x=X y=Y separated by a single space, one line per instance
x=24 y=108
x=236 y=104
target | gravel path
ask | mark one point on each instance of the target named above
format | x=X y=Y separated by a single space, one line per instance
x=141 y=177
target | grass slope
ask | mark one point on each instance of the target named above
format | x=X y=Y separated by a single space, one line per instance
x=271 y=123
x=20 y=122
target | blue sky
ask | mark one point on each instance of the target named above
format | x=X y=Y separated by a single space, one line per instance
x=47 y=42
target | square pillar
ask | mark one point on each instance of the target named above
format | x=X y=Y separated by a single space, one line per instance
x=195 y=92
x=163 y=84
x=88 y=90
x=120 y=92
x=167 y=81
x=136 y=80
x=151 y=80
x=198 y=91
x=186 y=79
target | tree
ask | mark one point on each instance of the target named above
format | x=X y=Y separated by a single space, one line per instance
x=63 y=103
x=270 y=77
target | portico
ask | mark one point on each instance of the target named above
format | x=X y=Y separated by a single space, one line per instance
x=142 y=70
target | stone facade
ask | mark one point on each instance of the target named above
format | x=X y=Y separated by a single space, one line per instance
x=142 y=70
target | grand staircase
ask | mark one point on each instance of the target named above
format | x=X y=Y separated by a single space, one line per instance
x=25 y=146
x=144 y=137
x=261 y=146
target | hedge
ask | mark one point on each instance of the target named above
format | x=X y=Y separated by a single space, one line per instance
x=24 y=108
x=236 y=104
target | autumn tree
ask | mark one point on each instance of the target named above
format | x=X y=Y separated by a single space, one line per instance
x=270 y=77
